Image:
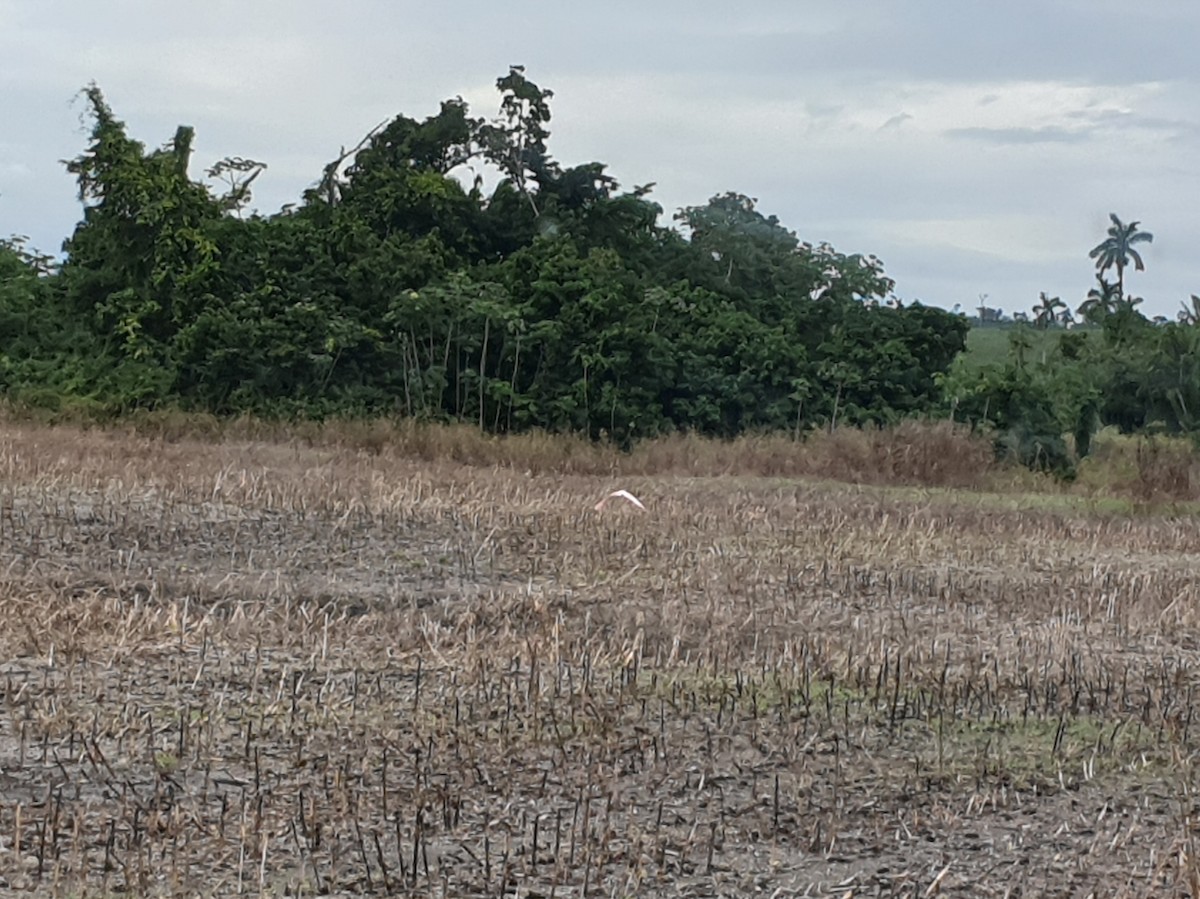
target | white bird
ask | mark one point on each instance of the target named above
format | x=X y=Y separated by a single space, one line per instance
x=621 y=494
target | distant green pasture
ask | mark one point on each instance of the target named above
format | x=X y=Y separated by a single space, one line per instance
x=989 y=345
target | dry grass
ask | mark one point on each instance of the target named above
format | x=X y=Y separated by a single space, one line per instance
x=931 y=454
x=323 y=668
x=1149 y=469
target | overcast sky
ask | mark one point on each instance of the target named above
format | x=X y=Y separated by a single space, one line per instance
x=975 y=146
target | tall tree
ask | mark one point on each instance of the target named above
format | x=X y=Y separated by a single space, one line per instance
x=1116 y=250
x=1102 y=300
x=516 y=142
x=1046 y=312
x=740 y=251
x=1190 y=314
x=144 y=243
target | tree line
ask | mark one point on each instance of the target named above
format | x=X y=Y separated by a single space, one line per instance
x=555 y=300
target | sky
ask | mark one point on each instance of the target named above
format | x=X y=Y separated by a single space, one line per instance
x=976 y=147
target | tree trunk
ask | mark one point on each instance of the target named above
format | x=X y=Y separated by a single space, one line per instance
x=487 y=326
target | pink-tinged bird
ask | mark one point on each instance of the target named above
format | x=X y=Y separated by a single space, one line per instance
x=621 y=494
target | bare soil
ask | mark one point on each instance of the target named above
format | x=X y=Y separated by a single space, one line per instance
x=268 y=669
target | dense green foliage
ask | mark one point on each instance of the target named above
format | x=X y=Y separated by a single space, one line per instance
x=556 y=301
x=1122 y=370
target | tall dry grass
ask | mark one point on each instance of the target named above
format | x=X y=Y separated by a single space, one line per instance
x=1146 y=468
x=932 y=454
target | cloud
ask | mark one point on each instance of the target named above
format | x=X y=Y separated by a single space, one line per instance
x=1023 y=238
x=1047 y=134
x=897 y=129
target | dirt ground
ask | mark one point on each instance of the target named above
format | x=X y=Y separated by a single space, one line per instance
x=278 y=670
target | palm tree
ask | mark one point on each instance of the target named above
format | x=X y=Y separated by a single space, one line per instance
x=1190 y=315
x=1058 y=310
x=1102 y=300
x=1045 y=313
x=1116 y=250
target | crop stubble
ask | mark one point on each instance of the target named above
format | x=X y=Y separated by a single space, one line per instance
x=266 y=668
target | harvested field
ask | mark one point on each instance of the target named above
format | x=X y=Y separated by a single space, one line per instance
x=269 y=669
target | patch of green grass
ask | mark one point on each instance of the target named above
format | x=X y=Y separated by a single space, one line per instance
x=989 y=346
x=1044 y=750
x=1027 y=492
x=1006 y=747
